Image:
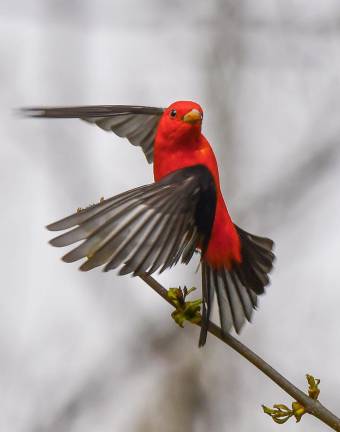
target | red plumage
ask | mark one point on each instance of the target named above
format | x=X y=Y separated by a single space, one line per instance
x=152 y=227
x=179 y=144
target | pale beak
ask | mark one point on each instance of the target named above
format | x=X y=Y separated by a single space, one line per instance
x=193 y=116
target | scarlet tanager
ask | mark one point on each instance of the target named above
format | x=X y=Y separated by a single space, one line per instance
x=152 y=227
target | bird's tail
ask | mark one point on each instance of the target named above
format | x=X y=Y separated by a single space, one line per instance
x=237 y=289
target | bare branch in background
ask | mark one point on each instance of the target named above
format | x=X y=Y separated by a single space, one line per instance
x=222 y=64
x=288 y=190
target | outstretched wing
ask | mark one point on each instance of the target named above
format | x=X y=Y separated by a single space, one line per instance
x=237 y=289
x=145 y=229
x=136 y=123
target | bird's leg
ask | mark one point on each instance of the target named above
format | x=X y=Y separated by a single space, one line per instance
x=185 y=310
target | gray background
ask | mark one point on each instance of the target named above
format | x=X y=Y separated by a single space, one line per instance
x=94 y=352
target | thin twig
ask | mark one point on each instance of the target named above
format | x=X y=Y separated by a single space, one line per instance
x=312 y=406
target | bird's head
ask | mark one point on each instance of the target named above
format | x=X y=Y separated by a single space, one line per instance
x=182 y=119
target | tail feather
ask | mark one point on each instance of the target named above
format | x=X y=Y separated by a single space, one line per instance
x=208 y=298
x=237 y=289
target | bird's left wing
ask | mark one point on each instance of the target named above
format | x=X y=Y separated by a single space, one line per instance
x=145 y=229
x=136 y=123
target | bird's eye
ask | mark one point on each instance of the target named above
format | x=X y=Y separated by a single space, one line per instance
x=173 y=113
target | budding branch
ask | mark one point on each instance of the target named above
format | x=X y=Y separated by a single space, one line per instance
x=312 y=406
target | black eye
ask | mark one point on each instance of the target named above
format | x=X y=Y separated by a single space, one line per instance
x=173 y=113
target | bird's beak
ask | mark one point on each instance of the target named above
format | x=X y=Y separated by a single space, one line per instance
x=193 y=117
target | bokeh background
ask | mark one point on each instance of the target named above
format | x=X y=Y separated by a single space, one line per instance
x=95 y=352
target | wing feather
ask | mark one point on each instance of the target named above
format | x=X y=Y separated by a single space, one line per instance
x=136 y=123
x=143 y=230
x=144 y=257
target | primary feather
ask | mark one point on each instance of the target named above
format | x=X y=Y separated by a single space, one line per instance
x=146 y=229
x=136 y=123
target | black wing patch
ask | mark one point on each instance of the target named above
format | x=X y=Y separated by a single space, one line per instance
x=136 y=123
x=237 y=290
x=146 y=229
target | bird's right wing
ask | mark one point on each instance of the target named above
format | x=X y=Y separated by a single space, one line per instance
x=146 y=229
x=136 y=123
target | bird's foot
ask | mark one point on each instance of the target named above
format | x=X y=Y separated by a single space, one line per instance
x=185 y=310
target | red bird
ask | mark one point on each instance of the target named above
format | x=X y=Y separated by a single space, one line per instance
x=154 y=226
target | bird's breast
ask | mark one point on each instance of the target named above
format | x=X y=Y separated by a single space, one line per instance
x=224 y=245
x=181 y=155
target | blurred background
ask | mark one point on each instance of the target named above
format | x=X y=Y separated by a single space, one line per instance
x=95 y=352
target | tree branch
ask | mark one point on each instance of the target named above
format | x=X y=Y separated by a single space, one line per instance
x=312 y=406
